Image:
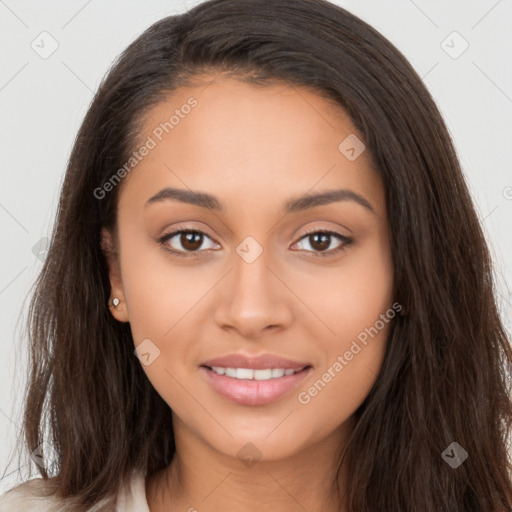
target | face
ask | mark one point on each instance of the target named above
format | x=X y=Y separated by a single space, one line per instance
x=261 y=268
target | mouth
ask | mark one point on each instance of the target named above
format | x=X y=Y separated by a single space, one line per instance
x=252 y=374
x=249 y=386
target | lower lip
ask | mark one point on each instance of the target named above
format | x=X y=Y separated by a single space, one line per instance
x=253 y=392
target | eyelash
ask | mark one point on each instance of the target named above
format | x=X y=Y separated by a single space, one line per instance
x=346 y=241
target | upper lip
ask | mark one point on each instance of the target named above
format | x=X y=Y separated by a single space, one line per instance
x=261 y=362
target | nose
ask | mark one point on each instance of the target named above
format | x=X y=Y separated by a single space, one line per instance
x=254 y=299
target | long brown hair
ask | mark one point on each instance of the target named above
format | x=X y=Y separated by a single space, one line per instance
x=448 y=360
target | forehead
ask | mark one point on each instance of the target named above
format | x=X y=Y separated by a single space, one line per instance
x=234 y=138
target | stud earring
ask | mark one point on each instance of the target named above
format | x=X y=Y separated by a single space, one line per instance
x=114 y=302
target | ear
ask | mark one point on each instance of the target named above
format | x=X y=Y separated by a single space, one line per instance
x=109 y=249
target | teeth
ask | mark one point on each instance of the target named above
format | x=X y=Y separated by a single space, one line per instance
x=241 y=373
x=249 y=374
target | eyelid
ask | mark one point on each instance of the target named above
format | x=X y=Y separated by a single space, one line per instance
x=321 y=229
x=179 y=229
x=345 y=241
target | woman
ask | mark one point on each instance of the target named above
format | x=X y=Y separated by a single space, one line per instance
x=267 y=285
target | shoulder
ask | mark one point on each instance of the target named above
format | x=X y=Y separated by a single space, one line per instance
x=30 y=496
x=132 y=497
x=37 y=495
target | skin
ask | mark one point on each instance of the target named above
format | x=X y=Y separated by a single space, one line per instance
x=239 y=143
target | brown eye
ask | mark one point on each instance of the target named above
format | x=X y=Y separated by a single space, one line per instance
x=191 y=241
x=185 y=241
x=319 y=241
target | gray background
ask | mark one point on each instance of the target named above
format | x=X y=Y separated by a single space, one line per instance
x=43 y=100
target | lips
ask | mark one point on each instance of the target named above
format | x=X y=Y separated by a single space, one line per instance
x=261 y=362
x=226 y=376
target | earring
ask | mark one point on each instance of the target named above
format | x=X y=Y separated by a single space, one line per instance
x=114 y=302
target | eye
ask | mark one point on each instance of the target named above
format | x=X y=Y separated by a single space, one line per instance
x=322 y=239
x=186 y=241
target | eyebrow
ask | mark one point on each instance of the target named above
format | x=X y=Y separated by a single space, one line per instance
x=206 y=200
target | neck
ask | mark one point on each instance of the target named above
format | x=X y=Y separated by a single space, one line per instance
x=200 y=478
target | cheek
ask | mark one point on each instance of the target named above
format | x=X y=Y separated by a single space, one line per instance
x=157 y=289
x=350 y=297
x=350 y=366
x=164 y=301
x=356 y=304
x=339 y=389
x=160 y=299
